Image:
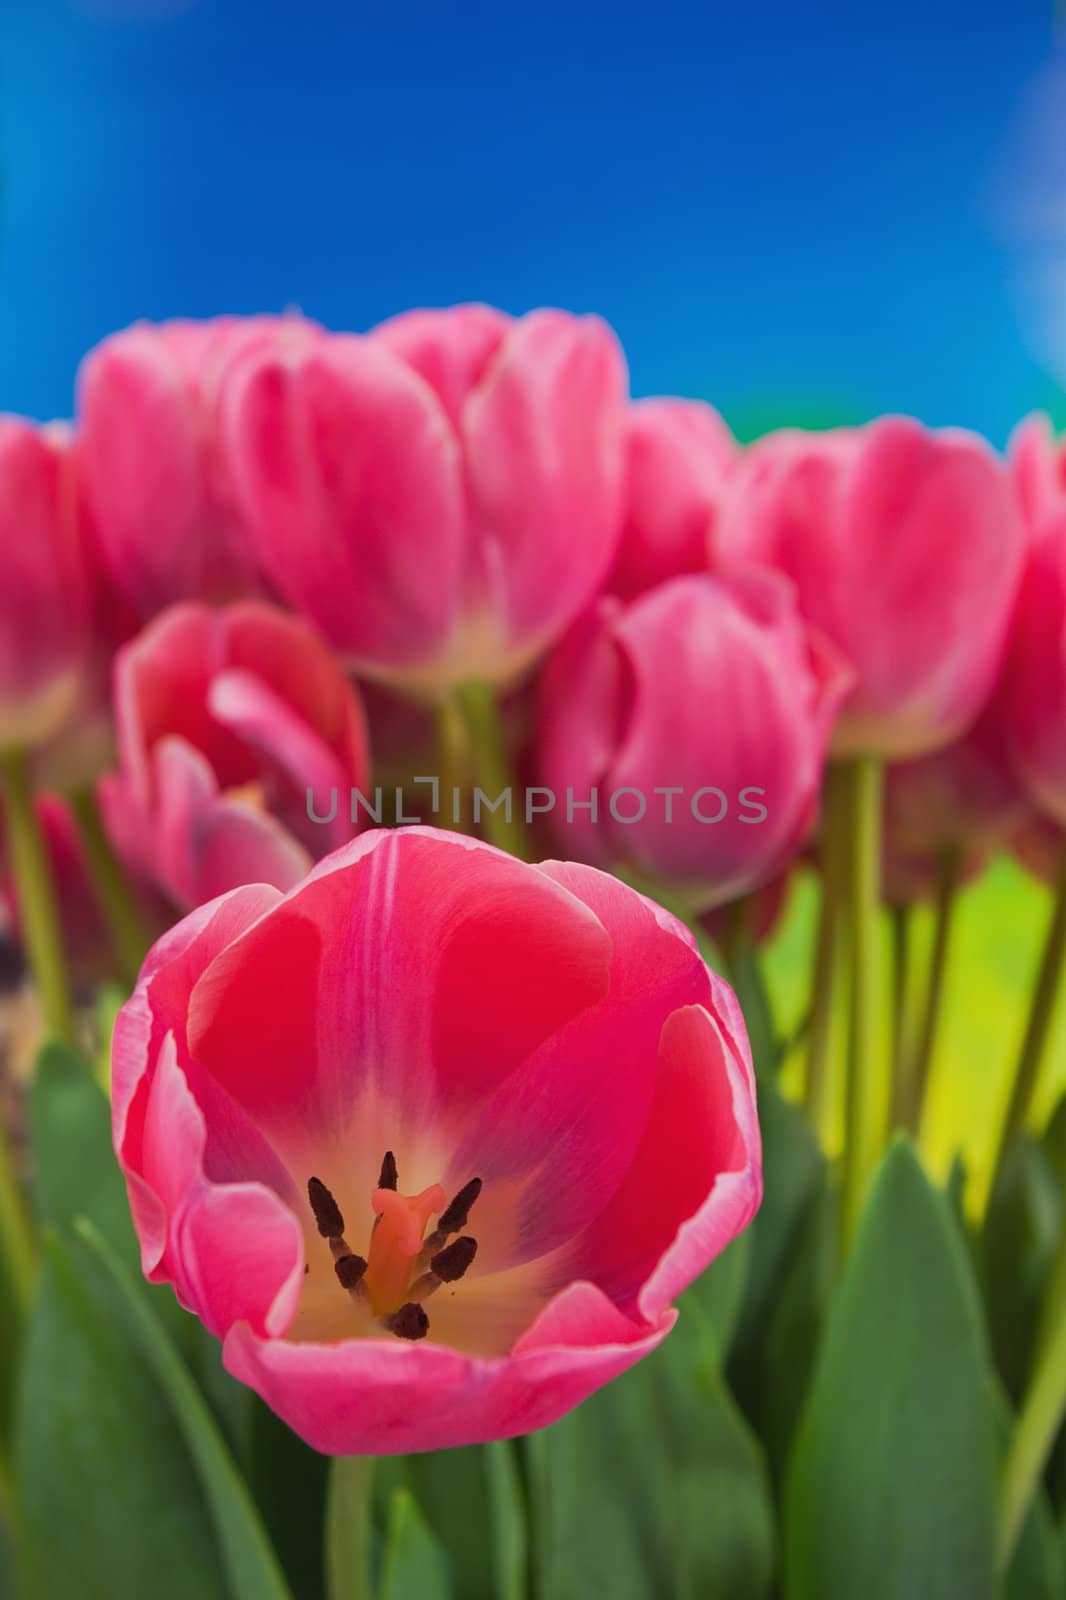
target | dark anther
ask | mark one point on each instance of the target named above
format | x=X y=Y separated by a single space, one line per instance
x=450 y=1263
x=389 y=1176
x=410 y=1322
x=350 y=1270
x=326 y=1210
x=454 y=1216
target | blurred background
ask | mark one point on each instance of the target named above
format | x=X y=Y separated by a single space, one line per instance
x=800 y=214
x=803 y=216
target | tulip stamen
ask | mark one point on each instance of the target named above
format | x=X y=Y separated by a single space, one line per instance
x=329 y=1220
x=410 y=1322
x=403 y=1268
x=327 y=1213
x=451 y=1220
x=447 y=1266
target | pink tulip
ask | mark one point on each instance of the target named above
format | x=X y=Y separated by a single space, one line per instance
x=441 y=497
x=237 y=732
x=44 y=583
x=432 y=1142
x=679 y=454
x=906 y=549
x=964 y=802
x=1038 y=468
x=1035 y=676
x=700 y=714
x=154 y=477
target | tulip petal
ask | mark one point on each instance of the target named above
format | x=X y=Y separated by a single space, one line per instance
x=543 y=440
x=450 y=349
x=702 y=1131
x=383 y=1397
x=424 y=986
x=349 y=477
x=208 y=843
x=570 y=1119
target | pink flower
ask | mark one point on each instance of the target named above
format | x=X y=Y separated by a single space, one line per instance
x=679 y=454
x=154 y=478
x=964 y=800
x=237 y=732
x=700 y=715
x=44 y=583
x=441 y=497
x=906 y=549
x=1038 y=469
x=432 y=1142
x=1035 y=675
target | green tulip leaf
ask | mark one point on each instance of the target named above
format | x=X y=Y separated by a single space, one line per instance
x=892 y=1484
x=248 y=1559
x=75 y=1171
x=109 y=1499
x=794 y=1172
x=655 y=1486
x=471 y=1501
x=412 y=1561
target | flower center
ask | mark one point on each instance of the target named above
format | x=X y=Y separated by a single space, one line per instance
x=404 y=1265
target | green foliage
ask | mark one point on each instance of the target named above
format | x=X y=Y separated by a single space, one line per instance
x=892 y=1487
x=656 y=1485
x=114 y=1439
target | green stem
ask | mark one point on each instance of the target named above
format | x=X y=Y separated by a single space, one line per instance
x=348 y=1528
x=122 y=914
x=38 y=909
x=863 y=909
x=918 y=1073
x=453 y=766
x=1038 y=1028
x=735 y=944
x=1042 y=1415
x=16 y=1240
x=825 y=975
x=492 y=769
x=16 y=1283
x=901 y=919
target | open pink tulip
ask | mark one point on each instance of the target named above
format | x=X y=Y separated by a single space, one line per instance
x=440 y=497
x=154 y=478
x=906 y=549
x=432 y=1142
x=699 y=714
x=678 y=457
x=44 y=582
x=237 y=732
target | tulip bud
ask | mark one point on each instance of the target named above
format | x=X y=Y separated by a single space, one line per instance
x=962 y=803
x=1035 y=675
x=163 y=513
x=678 y=457
x=441 y=497
x=44 y=583
x=699 y=714
x=905 y=548
x=240 y=742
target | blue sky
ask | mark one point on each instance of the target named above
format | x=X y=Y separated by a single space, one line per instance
x=794 y=213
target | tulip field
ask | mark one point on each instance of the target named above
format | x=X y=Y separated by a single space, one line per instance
x=532 y=934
